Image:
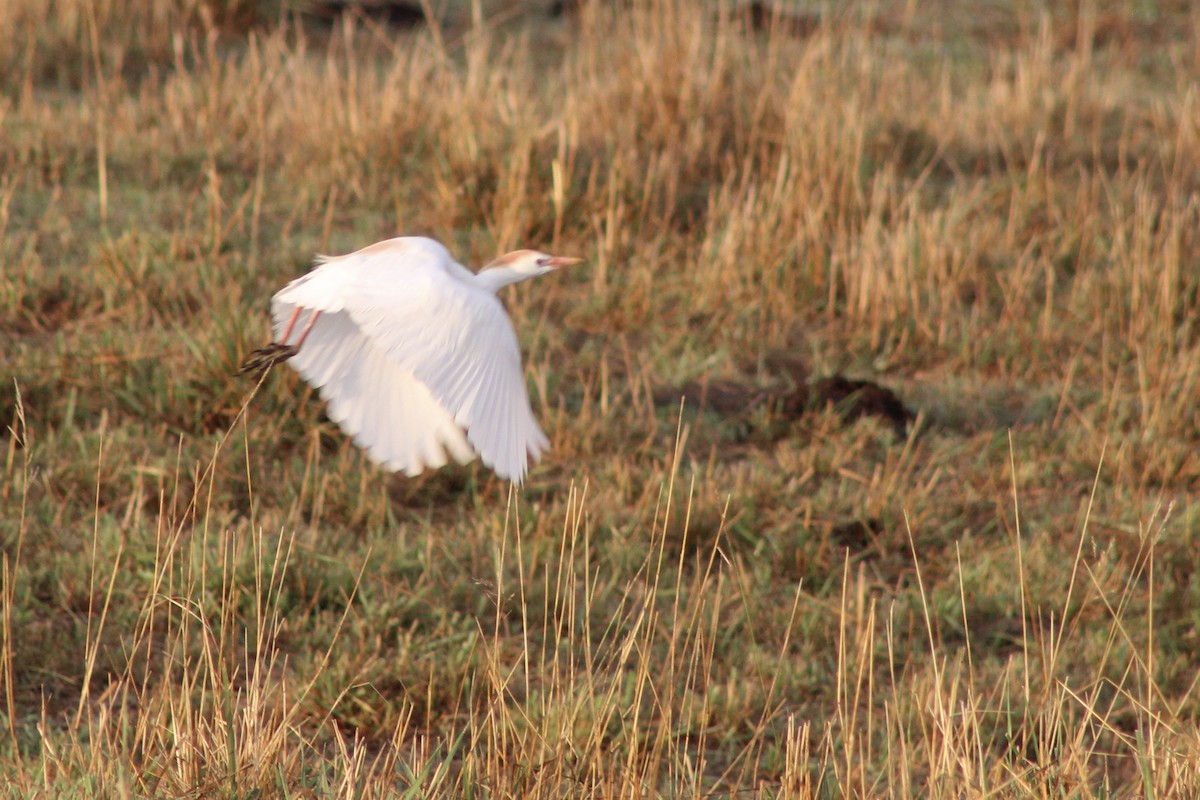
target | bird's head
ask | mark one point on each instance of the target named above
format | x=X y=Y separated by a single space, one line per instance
x=521 y=265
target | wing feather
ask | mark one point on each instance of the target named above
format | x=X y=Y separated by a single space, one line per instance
x=382 y=406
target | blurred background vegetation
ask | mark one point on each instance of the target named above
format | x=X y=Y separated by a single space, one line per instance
x=924 y=525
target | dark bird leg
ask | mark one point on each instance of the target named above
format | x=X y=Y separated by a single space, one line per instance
x=264 y=358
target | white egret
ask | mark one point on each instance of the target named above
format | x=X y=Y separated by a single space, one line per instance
x=414 y=353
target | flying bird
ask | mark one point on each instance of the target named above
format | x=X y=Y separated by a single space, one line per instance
x=414 y=353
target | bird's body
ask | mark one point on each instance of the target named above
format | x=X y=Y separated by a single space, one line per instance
x=414 y=354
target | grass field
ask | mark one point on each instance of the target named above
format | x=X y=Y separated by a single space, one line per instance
x=991 y=209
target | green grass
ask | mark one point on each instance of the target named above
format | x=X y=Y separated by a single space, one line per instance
x=206 y=590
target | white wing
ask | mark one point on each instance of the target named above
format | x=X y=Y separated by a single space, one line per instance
x=408 y=352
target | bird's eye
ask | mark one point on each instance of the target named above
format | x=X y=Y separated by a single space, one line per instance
x=544 y=261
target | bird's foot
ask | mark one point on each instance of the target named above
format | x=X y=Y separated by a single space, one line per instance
x=264 y=358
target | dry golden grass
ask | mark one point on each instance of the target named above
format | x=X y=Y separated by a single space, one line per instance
x=207 y=591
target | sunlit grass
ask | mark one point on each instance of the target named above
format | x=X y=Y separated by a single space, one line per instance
x=208 y=591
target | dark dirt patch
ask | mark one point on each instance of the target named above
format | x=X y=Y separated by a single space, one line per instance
x=392 y=13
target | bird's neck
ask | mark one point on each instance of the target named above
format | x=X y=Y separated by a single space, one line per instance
x=496 y=278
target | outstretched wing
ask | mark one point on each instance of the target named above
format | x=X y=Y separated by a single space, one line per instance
x=408 y=352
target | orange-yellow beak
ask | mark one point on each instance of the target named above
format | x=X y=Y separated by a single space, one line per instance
x=558 y=262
